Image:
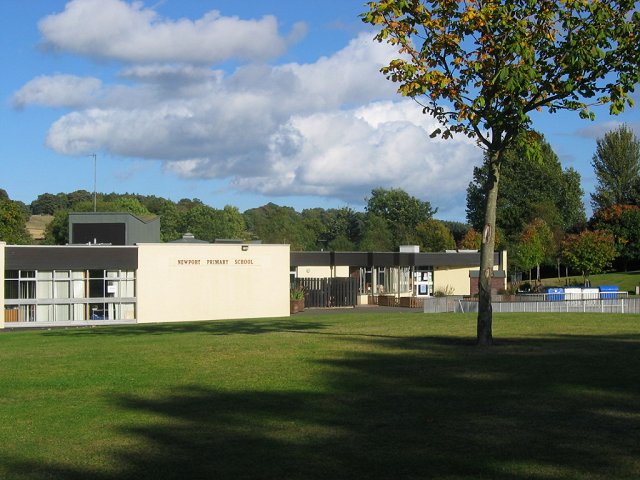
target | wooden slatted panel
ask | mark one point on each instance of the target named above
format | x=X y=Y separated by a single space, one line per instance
x=329 y=292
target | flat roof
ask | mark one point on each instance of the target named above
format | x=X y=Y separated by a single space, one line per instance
x=70 y=257
x=388 y=259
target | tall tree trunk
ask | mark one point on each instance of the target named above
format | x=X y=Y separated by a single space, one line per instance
x=485 y=310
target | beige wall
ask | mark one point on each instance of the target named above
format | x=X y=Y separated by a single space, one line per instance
x=178 y=282
x=458 y=278
x=445 y=279
x=2 y=245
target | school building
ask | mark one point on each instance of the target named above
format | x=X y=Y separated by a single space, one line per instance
x=125 y=281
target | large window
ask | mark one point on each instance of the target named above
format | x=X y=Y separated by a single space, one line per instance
x=69 y=295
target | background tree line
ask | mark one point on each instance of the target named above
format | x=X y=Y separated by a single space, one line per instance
x=541 y=217
x=392 y=217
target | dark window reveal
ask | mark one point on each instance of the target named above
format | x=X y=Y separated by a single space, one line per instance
x=113 y=233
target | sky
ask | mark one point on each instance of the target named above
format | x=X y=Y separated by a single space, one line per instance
x=232 y=102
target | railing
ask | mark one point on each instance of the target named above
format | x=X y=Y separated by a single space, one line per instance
x=622 y=305
x=606 y=302
x=441 y=304
x=328 y=292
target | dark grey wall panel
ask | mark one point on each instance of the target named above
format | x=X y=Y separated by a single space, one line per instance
x=388 y=259
x=112 y=233
x=70 y=258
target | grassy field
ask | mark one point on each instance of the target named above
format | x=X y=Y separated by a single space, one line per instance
x=37 y=224
x=365 y=395
x=626 y=281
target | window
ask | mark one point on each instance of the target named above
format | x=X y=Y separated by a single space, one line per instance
x=70 y=295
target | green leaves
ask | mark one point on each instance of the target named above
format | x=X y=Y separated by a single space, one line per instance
x=590 y=251
x=495 y=62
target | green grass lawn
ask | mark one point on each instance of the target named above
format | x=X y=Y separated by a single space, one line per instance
x=626 y=281
x=364 y=395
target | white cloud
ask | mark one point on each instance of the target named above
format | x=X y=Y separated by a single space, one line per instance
x=346 y=154
x=334 y=127
x=599 y=130
x=128 y=32
x=184 y=112
x=57 y=91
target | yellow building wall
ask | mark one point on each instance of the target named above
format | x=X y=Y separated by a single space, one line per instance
x=187 y=282
x=458 y=278
x=452 y=281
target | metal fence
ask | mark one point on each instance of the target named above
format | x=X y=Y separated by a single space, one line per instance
x=543 y=303
x=615 y=305
x=329 y=292
x=441 y=304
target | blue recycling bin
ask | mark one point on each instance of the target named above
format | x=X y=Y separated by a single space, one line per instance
x=555 y=294
x=609 y=291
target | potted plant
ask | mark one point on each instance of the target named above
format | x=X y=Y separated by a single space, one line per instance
x=296 y=299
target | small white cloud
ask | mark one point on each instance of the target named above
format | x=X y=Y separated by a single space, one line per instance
x=598 y=130
x=117 y=30
x=58 y=91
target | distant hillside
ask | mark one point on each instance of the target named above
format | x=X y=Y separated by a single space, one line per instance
x=37 y=225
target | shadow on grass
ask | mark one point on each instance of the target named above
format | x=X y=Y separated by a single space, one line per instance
x=562 y=407
x=214 y=327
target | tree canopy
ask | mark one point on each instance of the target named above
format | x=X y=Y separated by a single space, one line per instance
x=401 y=211
x=434 y=236
x=482 y=67
x=533 y=186
x=534 y=245
x=616 y=164
x=623 y=222
x=590 y=252
x=12 y=223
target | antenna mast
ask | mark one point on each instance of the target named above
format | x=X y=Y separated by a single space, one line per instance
x=95 y=177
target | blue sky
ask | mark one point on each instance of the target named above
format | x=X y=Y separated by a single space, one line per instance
x=232 y=102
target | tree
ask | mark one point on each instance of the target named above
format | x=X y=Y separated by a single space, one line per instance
x=377 y=235
x=231 y=223
x=472 y=240
x=457 y=229
x=208 y=223
x=623 y=222
x=401 y=211
x=590 y=251
x=13 y=223
x=573 y=213
x=272 y=223
x=335 y=228
x=617 y=167
x=480 y=67
x=48 y=204
x=534 y=246
x=531 y=186
x=79 y=196
x=434 y=236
